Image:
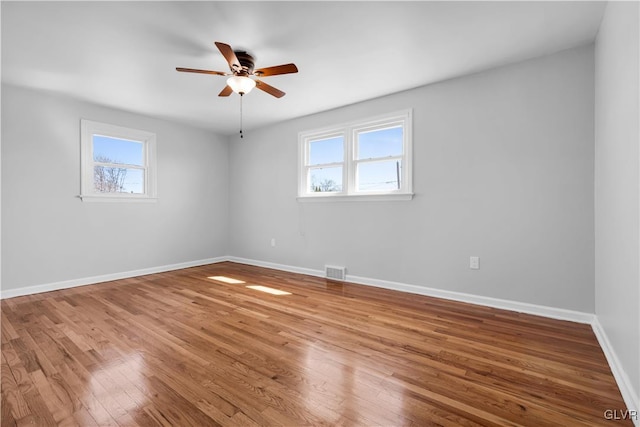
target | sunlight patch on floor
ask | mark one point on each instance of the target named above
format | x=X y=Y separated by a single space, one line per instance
x=226 y=279
x=268 y=290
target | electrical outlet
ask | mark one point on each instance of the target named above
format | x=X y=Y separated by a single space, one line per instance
x=474 y=263
x=273 y=242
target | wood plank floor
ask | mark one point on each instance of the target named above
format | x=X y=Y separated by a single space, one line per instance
x=182 y=349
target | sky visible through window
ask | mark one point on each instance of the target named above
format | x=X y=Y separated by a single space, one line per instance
x=325 y=151
x=122 y=152
x=379 y=175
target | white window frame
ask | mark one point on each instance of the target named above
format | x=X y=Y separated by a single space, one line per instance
x=350 y=162
x=88 y=129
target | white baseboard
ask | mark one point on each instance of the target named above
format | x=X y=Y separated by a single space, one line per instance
x=29 y=290
x=520 y=307
x=630 y=396
x=539 y=310
x=281 y=267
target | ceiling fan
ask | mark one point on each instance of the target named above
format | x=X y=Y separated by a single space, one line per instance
x=241 y=65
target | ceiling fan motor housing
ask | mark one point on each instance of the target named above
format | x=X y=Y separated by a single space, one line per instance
x=246 y=61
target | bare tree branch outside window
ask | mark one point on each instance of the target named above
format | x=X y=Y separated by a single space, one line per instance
x=108 y=179
x=324 y=186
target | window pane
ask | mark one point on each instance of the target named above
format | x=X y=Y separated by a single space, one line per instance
x=325 y=179
x=114 y=150
x=118 y=180
x=380 y=143
x=324 y=151
x=379 y=176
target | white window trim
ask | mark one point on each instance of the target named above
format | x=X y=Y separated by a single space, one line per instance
x=88 y=128
x=349 y=185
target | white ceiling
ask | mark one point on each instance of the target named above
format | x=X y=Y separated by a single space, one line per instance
x=124 y=54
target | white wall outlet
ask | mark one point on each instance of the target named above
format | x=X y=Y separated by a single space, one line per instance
x=273 y=242
x=474 y=263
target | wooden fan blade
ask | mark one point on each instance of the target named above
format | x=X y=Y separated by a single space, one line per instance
x=226 y=91
x=278 y=69
x=193 y=70
x=269 y=89
x=229 y=55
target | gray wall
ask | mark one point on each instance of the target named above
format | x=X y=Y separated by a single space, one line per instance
x=503 y=169
x=617 y=216
x=49 y=235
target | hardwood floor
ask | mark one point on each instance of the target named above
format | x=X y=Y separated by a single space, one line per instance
x=182 y=349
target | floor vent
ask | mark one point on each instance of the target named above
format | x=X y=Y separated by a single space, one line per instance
x=335 y=273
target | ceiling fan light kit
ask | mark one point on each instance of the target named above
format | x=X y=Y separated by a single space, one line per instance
x=241 y=85
x=241 y=65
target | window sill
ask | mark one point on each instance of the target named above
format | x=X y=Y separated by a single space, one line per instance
x=117 y=199
x=357 y=198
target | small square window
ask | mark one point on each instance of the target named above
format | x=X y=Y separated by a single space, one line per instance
x=117 y=163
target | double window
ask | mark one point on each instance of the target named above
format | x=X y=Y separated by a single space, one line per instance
x=118 y=163
x=364 y=160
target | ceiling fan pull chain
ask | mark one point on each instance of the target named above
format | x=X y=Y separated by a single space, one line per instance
x=241 y=136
